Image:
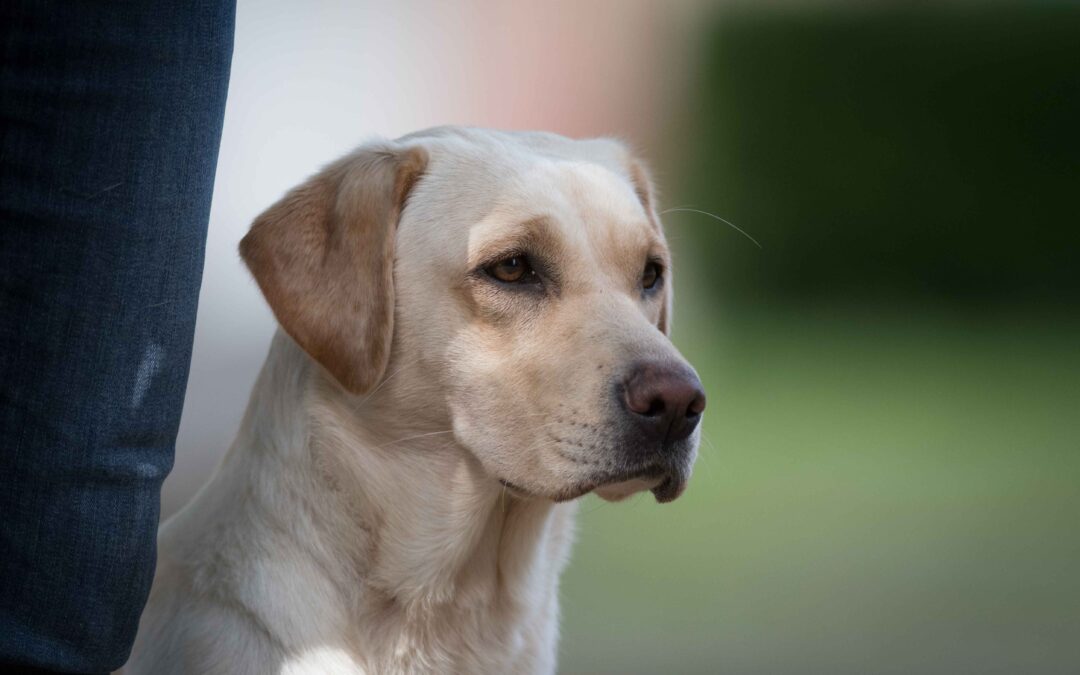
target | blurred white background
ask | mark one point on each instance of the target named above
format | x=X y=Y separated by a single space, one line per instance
x=310 y=80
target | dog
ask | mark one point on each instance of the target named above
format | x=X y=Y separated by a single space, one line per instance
x=473 y=334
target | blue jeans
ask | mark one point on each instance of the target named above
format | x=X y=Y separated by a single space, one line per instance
x=110 y=120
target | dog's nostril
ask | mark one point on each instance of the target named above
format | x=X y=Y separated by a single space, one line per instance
x=697 y=406
x=656 y=407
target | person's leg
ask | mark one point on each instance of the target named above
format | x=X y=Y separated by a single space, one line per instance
x=110 y=119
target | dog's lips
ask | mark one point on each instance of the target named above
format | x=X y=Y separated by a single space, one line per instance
x=669 y=489
x=666 y=484
x=618 y=491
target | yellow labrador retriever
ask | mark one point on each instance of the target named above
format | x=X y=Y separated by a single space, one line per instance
x=473 y=334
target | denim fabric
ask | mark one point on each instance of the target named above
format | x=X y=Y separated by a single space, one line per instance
x=110 y=115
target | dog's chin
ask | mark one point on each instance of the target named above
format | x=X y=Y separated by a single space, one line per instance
x=665 y=485
x=616 y=492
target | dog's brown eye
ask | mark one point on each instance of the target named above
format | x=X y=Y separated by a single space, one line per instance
x=650 y=276
x=513 y=270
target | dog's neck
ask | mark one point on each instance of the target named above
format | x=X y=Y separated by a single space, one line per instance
x=394 y=504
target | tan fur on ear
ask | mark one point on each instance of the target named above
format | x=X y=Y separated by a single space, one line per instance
x=646 y=192
x=323 y=257
x=643 y=186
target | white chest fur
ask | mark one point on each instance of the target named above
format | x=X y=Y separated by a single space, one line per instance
x=313 y=550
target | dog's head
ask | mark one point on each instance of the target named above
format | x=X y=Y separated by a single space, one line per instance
x=520 y=285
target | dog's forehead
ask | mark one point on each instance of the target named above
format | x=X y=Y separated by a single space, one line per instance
x=485 y=185
x=585 y=204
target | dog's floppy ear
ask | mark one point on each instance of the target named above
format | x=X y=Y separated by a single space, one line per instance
x=323 y=257
x=646 y=192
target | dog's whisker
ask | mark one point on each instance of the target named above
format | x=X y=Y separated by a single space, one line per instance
x=535 y=445
x=600 y=504
x=410 y=438
x=566 y=454
x=385 y=380
x=547 y=424
x=707 y=461
x=687 y=209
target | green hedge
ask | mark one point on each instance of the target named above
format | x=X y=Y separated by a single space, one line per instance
x=905 y=152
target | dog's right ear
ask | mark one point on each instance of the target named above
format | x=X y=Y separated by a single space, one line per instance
x=645 y=188
x=323 y=256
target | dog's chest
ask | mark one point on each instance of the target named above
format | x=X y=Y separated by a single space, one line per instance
x=486 y=633
x=485 y=604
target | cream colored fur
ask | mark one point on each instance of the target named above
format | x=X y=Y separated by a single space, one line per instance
x=373 y=532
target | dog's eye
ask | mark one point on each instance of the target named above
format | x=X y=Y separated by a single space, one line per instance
x=514 y=270
x=651 y=276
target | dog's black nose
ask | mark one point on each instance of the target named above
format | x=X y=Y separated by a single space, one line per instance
x=665 y=401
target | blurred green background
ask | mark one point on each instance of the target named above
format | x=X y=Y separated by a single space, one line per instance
x=888 y=480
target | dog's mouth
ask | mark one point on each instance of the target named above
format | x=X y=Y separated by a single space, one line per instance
x=665 y=482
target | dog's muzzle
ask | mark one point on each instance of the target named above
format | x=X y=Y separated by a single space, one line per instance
x=662 y=403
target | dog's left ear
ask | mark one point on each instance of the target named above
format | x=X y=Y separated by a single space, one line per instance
x=646 y=192
x=323 y=256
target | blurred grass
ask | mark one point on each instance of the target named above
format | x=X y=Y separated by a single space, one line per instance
x=880 y=492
